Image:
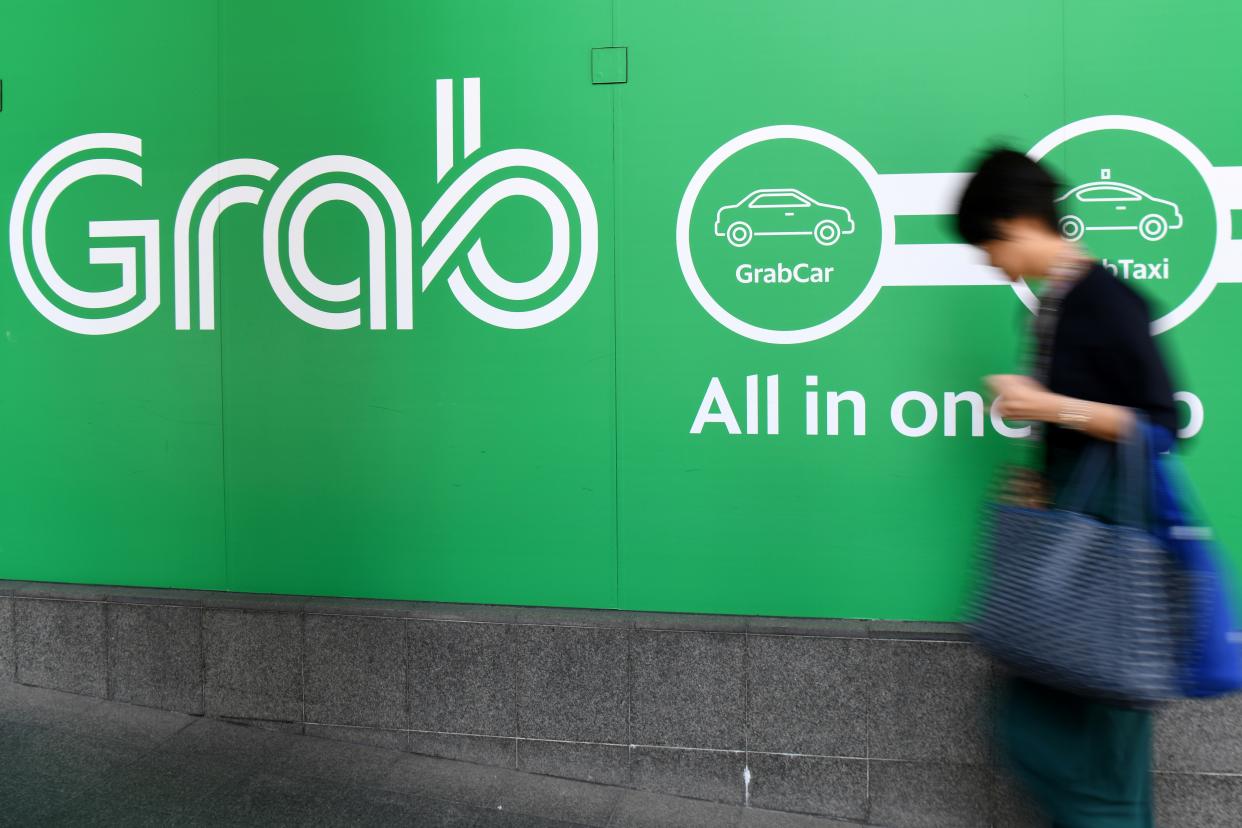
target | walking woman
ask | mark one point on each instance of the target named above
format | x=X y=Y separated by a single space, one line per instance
x=1085 y=761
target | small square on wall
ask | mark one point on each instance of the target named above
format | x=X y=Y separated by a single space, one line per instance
x=609 y=64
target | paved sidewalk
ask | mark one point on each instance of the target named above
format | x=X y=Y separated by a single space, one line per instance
x=73 y=760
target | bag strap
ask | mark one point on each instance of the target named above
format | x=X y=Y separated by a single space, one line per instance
x=1190 y=505
x=1134 y=491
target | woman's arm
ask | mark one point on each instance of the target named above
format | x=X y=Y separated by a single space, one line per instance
x=1022 y=398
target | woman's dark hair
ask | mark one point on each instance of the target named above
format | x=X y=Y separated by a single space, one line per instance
x=1007 y=184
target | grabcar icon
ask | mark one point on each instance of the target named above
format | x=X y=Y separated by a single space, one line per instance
x=782 y=212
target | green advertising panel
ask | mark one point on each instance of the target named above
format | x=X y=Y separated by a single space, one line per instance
x=604 y=304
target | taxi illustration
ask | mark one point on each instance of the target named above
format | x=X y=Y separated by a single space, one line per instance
x=1111 y=205
x=782 y=212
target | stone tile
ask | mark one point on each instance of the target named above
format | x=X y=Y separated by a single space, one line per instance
x=61 y=645
x=369 y=607
x=254 y=664
x=97 y=807
x=572 y=683
x=1197 y=800
x=340 y=762
x=481 y=613
x=154 y=595
x=686 y=689
x=155 y=656
x=254 y=602
x=370 y=806
x=462 y=677
x=925 y=795
x=689 y=622
x=759 y=818
x=478 y=785
x=355 y=671
x=580 y=803
x=69 y=758
x=62 y=592
x=226 y=741
x=482 y=750
x=30 y=800
x=917 y=631
x=639 y=809
x=572 y=617
x=508 y=819
x=141 y=727
x=7 y=664
x=168 y=783
x=1200 y=736
x=387 y=739
x=702 y=774
x=809 y=785
x=271 y=800
x=928 y=701
x=604 y=764
x=818 y=627
x=288 y=728
x=40 y=707
x=1011 y=807
x=808 y=695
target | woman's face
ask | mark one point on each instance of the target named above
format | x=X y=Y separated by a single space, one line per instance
x=1004 y=255
x=1025 y=248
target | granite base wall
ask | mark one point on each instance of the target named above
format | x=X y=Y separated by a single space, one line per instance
x=875 y=722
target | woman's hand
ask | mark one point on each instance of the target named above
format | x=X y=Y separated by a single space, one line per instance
x=1022 y=398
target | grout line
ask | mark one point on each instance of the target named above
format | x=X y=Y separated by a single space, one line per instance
x=514 y=649
x=867 y=694
x=746 y=774
x=107 y=651
x=13 y=633
x=629 y=689
x=302 y=635
x=407 y=699
x=202 y=658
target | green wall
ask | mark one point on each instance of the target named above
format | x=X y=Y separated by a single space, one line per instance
x=477 y=440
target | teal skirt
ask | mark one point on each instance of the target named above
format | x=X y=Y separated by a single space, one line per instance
x=1086 y=763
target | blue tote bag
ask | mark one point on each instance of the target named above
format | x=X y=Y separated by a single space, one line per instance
x=1211 y=659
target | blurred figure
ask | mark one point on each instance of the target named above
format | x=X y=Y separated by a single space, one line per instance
x=1085 y=761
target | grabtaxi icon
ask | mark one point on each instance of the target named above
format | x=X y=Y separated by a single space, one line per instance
x=1193 y=222
x=324 y=304
x=1112 y=205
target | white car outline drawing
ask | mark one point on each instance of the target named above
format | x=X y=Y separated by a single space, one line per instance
x=1112 y=205
x=782 y=211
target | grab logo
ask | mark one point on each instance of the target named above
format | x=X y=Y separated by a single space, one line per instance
x=294 y=197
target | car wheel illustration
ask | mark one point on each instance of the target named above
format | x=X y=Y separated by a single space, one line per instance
x=827 y=232
x=1153 y=227
x=1072 y=228
x=740 y=234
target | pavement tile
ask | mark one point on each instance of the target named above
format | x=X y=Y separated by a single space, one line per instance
x=566 y=799
x=479 y=785
x=638 y=809
x=341 y=762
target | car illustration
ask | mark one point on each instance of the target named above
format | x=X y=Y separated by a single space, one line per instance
x=782 y=212
x=1111 y=205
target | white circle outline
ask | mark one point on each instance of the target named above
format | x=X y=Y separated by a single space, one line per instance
x=686 y=259
x=1205 y=169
